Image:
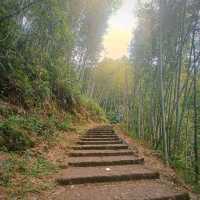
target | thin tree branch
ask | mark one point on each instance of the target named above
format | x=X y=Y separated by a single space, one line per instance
x=18 y=11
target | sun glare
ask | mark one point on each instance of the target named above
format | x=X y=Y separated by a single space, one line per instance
x=119 y=32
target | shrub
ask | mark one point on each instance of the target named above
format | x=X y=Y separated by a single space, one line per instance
x=93 y=107
x=24 y=165
x=12 y=139
x=114 y=117
x=41 y=85
x=25 y=88
x=64 y=95
x=17 y=87
x=65 y=125
x=33 y=124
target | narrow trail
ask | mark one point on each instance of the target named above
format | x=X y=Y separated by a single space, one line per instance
x=102 y=166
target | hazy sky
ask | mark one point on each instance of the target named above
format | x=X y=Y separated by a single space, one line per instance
x=119 y=32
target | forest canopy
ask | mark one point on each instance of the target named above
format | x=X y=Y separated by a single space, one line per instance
x=45 y=46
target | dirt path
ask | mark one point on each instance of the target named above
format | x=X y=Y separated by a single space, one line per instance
x=104 y=165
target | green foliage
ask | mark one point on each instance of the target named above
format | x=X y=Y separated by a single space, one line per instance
x=64 y=95
x=24 y=165
x=5 y=111
x=30 y=123
x=45 y=48
x=6 y=170
x=110 y=86
x=113 y=117
x=29 y=73
x=163 y=103
x=93 y=107
x=40 y=43
x=16 y=132
x=40 y=167
x=65 y=125
x=12 y=139
x=24 y=89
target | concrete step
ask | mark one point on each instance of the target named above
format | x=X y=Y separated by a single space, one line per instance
x=102 y=129
x=98 y=147
x=128 y=190
x=85 y=153
x=100 y=136
x=101 y=133
x=121 y=173
x=99 y=142
x=104 y=161
x=100 y=139
x=82 y=175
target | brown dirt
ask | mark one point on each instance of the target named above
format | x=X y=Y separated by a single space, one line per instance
x=58 y=154
x=2 y=193
x=54 y=151
x=155 y=162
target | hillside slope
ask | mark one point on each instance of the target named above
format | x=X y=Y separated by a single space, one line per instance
x=34 y=143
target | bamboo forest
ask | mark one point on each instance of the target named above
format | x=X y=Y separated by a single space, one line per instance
x=73 y=68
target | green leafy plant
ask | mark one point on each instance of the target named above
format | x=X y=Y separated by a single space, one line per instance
x=24 y=165
x=12 y=139
x=93 y=107
x=65 y=125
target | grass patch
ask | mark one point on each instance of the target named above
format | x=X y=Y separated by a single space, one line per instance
x=18 y=133
x=24 y=169
x=96 y=111
x=24 y=165
x=65 y=124
x=22 y=174
x=12 y=139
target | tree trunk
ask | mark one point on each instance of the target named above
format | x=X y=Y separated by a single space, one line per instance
x=163 y=128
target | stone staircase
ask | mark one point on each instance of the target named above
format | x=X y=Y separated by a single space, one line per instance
x=102 y=157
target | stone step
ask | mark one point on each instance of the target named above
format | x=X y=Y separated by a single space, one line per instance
x=100 y=136
x=128 y=190
x=107 y=134
x=104 y=161
x=85 y=153
x=100 y=139
x=82 y=175
x=99 y=142
x=98 y=147
x=100 y=131
x=119 y=170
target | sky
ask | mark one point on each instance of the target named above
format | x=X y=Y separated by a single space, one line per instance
x=119 y=33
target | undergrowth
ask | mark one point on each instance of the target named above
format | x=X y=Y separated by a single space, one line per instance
x=20 y=132
x=23 y=174
x=25 y=165
x=95 y=110
x=28 y=137
x=176 y=162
